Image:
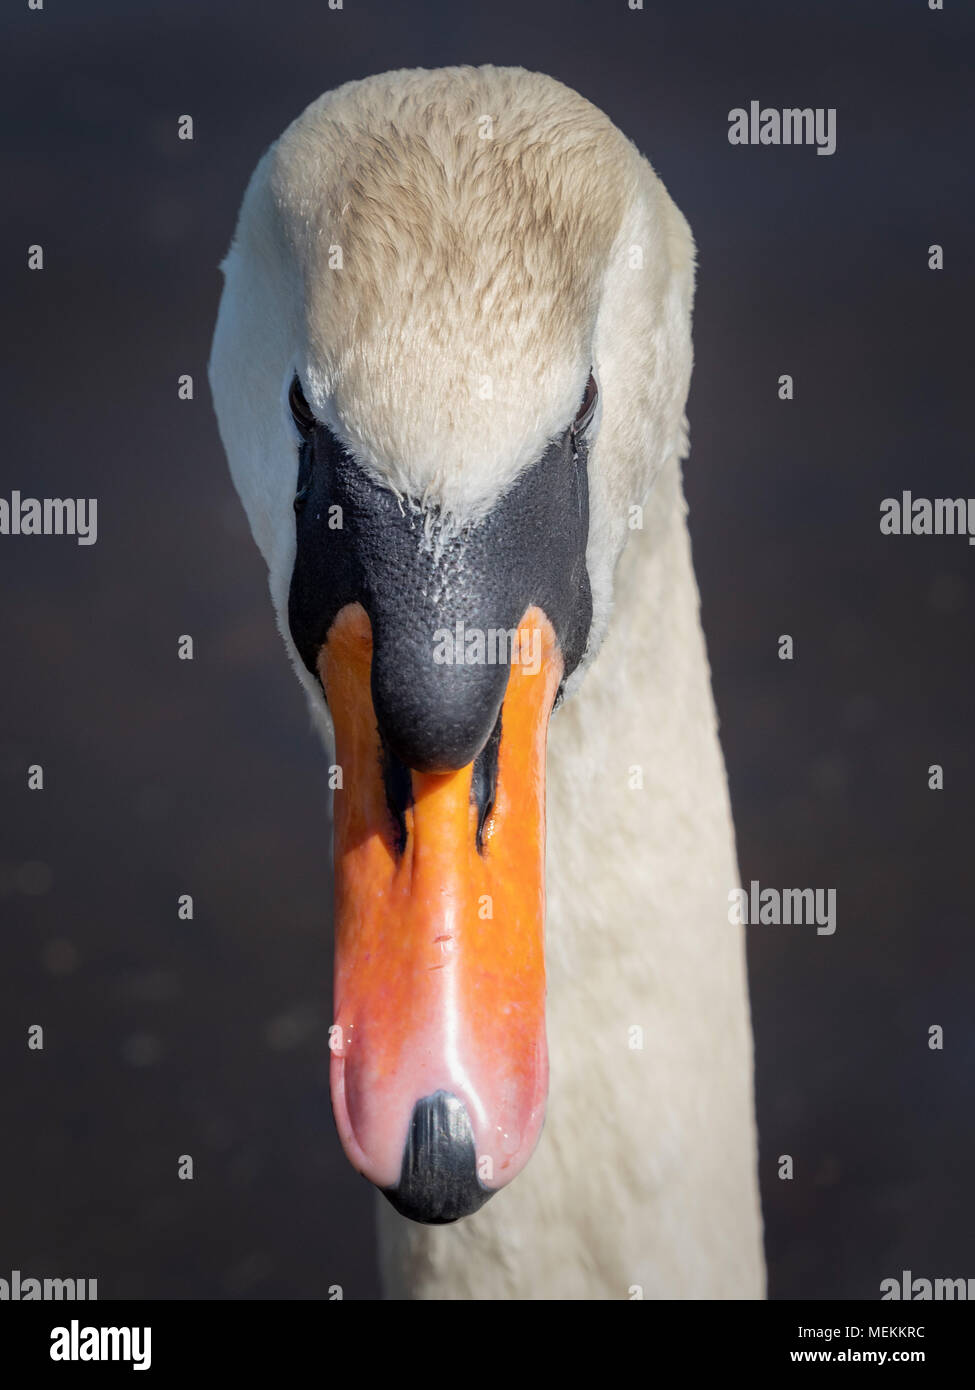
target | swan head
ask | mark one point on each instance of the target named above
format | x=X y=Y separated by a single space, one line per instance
x=451 y=355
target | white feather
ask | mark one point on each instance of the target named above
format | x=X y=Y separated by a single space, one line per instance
x=527 y=258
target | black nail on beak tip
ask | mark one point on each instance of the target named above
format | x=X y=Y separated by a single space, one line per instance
x=439 y=1181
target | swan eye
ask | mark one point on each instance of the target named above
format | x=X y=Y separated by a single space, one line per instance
x=300 y=410
x=588 y=407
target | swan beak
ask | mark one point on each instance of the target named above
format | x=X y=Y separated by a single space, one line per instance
x=439 y=1067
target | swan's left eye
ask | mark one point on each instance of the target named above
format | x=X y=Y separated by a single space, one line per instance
x=300 y=410
x=588 y=407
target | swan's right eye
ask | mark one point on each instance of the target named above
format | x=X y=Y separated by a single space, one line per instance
x=301 y=411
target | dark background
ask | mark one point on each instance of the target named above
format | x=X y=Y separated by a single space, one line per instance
x=165 y=777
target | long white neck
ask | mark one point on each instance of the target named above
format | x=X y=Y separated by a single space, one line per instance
x=646 y=1173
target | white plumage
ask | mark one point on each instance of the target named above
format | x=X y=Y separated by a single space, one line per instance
x=442 y=256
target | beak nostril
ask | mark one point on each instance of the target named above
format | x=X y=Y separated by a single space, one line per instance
x=484 y=781
x=398 y=785
x=439 y=1181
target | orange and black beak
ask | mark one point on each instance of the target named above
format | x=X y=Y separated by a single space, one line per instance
x=440 y=665
x=439 y=1063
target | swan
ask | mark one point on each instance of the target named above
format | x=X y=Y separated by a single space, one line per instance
x=450 y=368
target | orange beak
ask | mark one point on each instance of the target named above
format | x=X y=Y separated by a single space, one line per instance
x=439 y=1066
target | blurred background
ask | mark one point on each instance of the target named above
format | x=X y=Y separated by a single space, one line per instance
x=165 y=777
